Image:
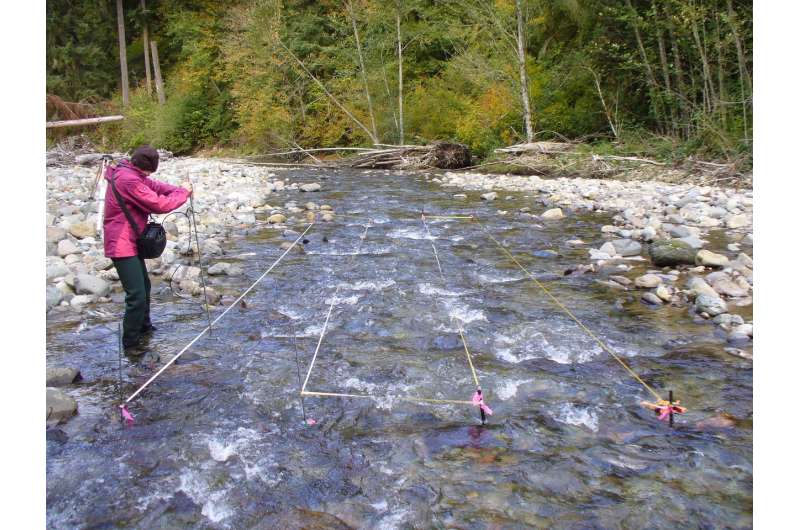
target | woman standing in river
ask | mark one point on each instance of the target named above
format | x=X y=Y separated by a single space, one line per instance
x=142 y=196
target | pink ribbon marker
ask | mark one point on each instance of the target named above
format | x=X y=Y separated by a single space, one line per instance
x=665 y=412
x=477 y=400
x=126 y=415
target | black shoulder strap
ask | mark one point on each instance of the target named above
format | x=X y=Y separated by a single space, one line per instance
x=123 y=206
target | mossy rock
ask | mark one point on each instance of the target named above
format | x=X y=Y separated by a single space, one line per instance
x=669 y=252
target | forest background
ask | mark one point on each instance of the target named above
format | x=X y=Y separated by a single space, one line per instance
x=667 y=79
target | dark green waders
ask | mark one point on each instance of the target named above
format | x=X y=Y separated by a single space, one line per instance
x=133 y=275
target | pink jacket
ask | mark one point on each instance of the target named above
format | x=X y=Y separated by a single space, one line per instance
x=142 y=196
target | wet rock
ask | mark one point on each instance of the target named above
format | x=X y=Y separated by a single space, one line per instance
x=664 y=293
x=327 y=217
x=276 y=218
x=729 y=288
x=669 y=252
x=301 y=519
x=742 y=332
x=88 y=284
x=627 y=247
x=82 y=229
x=60 y=406
x=745 y=260
x=310 y=187
x=553 y=214
x=545 y=253
x=490 y=196
x=710 y=259
x=609 y=229
x=218 y=269
x=211 y=247
x=62 y=376
x=720 y=421
x=67 y=247
x=310 y=206
x=56 y=435
x=736 y=352
x=54 y=296
x=622 y=280
x=728 y=319
x=648 y=281
x=693 y=241
x=81 y=300
x=711 y=305
x=651 y=299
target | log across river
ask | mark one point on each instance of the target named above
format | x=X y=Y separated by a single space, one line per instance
x=220 y=442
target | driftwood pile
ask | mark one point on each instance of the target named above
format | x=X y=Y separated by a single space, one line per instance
x=440 y=155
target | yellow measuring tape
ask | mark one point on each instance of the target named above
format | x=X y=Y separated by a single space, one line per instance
x=569 y=313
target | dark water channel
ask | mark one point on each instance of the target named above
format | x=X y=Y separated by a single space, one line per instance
x=220 y=442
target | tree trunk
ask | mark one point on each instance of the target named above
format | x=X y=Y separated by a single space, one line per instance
x=720 y=73
x=708 y=83
x=363 y=69
x=683 y=98
x=400 y=75
x=662 y=53
x=523 y=73
x=123 y=53
x=146 y=42
x=157 y=71
x=651 y=78
x=739 y=50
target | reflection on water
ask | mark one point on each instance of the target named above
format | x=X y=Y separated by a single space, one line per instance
x=220 y=443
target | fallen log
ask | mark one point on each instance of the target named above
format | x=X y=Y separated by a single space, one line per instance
x=82 y=122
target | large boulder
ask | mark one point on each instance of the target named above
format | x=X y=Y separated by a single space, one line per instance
x=670 y=252
x=88 y=284
x=60 y=406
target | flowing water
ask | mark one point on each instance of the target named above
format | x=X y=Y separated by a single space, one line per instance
x=220 y=442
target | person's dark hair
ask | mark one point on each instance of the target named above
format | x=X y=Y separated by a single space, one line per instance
x=145 y=158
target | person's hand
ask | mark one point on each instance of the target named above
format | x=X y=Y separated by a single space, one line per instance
x=188 y=185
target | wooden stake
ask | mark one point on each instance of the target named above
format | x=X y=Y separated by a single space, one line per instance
x=157 y=71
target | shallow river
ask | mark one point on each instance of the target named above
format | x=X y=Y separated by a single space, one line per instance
x=220 y=442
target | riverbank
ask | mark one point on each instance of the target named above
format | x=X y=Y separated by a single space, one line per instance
x=679 y=245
